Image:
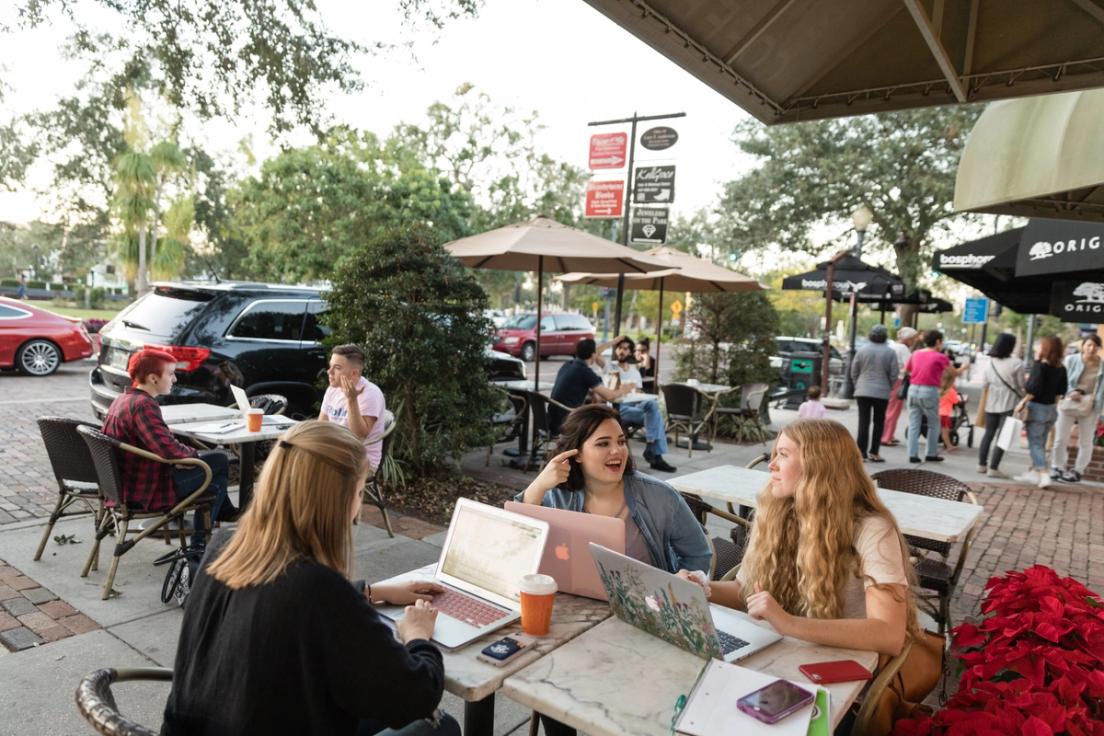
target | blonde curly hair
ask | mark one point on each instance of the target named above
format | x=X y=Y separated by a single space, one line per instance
x=802 y=548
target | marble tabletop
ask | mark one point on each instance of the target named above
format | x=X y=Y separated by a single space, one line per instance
x=616 y=680
x=708 y=388
x=181 y=413
x=473 y=679
x=232 y=431
x=920 y=516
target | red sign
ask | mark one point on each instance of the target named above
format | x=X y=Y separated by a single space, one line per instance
x=605 y=198
x=607 y=150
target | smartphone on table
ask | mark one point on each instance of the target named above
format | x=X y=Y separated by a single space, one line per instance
x=771 y=703
x=842 y=670
x=502 y=651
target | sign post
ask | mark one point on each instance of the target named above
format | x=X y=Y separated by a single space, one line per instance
x=976 y=311
x=607 y=151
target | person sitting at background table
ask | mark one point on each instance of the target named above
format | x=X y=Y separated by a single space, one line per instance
x=621 y=372
x=592 y=471
x=275 y=638
x=576 y=378
x=826 y=561
x=353 y=401
x=134 y=417
x=645 y=363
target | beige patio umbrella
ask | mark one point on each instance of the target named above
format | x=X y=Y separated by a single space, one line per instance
x=1038 y=157
x=543 y=244
x=790 y=60
x=683 y=272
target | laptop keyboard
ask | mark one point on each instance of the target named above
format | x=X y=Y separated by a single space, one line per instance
x=465 y=608
x=729 y=643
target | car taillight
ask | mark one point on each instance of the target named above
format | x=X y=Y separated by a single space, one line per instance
x=187 y=358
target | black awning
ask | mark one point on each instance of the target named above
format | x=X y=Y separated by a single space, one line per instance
x=988 y=265
x=851 y=274
x=1060 y=247
x=1078 y=300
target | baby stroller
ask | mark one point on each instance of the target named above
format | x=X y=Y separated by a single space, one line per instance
x=960 y=420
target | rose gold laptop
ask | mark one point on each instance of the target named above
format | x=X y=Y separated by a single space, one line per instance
x=567 y=555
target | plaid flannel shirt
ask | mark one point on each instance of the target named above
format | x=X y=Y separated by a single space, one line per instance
x=135 y=418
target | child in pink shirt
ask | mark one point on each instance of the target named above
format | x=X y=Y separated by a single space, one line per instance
x=811 y=408
x=948 y=398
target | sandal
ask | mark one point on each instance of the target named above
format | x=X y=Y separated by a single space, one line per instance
x=876 y=459
x=892 y=443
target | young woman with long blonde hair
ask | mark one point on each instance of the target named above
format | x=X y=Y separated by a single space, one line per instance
x=826 y=561
x=275 y=639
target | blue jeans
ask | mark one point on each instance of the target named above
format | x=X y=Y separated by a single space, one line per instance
x=447 y=727
x=187 y=480
x=923 y=401
x=646 y=413
x=1040 y=418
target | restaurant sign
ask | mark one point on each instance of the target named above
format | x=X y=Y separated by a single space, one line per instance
x=649 y=225
x=659 y=138
x=1078 y=301
x=1059 y=246
x=605 y=199
x=607 y=150
x=654 y=185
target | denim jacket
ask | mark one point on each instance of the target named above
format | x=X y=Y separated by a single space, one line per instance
x=669 y=528
x=1075 y=366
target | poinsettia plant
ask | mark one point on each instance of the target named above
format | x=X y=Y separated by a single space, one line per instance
x=1033 y=665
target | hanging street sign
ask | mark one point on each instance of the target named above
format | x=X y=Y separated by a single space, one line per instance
x=976 y=311
x=654 y=185
x=605 y=199
x=649 y=225
x=608 y=150
x=659 y=138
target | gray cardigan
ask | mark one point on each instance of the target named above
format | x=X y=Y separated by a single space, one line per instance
x=873 y=370
x=674 y=537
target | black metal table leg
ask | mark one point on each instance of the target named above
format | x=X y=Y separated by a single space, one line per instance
x=479 y=717
x=246 y=474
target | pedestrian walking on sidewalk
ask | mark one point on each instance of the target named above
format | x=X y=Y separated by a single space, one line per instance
x=1003 y=381
x=1046 y=384
x=902 y=348
x=873 y=372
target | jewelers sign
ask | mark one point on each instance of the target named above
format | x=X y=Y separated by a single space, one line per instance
x=605 y=199
x=649 y=225
x=653 y=185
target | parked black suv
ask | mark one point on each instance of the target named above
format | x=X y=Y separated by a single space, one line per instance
x=266 y=338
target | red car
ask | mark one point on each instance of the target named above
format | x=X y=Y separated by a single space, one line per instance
x=36 y=341
x=560 y=333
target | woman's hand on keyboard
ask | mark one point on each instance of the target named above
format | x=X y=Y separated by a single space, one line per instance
x=418 y=622
x=403 y=594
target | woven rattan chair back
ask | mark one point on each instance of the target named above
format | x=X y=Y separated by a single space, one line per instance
x=683 y=402
x=69 y=455
x=103 y=450
x=924 y=483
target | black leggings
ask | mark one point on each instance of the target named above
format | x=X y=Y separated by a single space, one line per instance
x=993 y=423
x=868 y=406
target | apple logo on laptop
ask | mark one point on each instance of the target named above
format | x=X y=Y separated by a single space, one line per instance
x=562 y=552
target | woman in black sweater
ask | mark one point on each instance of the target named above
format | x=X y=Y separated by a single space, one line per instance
x=275 y=639
x=1045 y=385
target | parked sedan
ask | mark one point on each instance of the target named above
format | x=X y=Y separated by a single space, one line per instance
x=36 y=341
x=560 y=332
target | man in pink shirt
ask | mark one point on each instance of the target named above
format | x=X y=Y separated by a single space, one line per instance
x=925 y=371
x=353 y=401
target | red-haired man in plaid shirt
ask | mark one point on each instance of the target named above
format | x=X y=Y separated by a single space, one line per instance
x=135 y=418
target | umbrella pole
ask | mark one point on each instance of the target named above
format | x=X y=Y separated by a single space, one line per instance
x=827 y=328
x=540 y=304
x=659 y=335
x=617 y=308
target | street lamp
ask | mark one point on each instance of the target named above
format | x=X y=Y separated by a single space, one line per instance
x=861 y=217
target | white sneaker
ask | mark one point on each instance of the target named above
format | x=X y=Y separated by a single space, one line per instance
x=994 y=473
x=1028 y=476
x=1044 y=480
x=982 y=469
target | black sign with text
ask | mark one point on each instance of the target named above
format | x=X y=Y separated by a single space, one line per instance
x=659 y=138
x=649 y=225
x=1078 y=301
x=654 y=185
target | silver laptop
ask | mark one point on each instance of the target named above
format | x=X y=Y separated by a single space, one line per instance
x=241 y=399
x=677 y=610
x=486 y=553
x=567 y=554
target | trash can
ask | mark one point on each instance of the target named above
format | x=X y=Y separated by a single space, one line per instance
x=799 y=371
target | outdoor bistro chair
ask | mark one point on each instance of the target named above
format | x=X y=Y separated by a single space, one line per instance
x=373 y=487
x=545 y=433
x=933 y=573
x=508 y=418
x=75 y=473
x=688 y=410
x=104 y=451
x=727 y=553
x=754 y=397
x=97 y=704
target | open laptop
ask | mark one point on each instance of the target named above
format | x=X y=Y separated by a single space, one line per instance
x=486 y=553
x=567 y=554
x=241 y=399
x=676 y=610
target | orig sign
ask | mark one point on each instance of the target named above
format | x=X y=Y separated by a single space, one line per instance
x=654 y=185
x=1060 y=246
x=659 y=138
x=1078 y=301
x=649 y=225
x=605 y=199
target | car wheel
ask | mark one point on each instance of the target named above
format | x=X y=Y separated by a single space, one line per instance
x=528 y=352
x=38 y=358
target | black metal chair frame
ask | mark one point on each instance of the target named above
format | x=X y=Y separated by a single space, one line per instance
x=104 y=451
x=373 y=487
x=75 y=473
x=97 y=704
x=542 y=425
x=508 y=425
x=688 y=409
x=753 y=398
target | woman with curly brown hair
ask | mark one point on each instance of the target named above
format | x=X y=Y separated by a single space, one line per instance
x=826 y=561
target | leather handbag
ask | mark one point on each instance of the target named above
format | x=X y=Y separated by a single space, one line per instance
x=902 y=392
x=1075 y=408
x=979 y=420
x=914 y=681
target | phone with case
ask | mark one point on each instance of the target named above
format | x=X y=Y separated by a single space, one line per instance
x=843 y=670
x=771 y=703
x=499 y=652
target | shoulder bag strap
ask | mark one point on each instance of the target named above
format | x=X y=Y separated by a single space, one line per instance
x=1014 y=391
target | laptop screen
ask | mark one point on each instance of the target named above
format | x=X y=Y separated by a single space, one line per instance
x=492 y=549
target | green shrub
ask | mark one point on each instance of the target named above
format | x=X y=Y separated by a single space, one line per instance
x=418 y=315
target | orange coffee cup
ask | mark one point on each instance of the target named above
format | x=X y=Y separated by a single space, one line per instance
x=253 y=420
x=537 y=595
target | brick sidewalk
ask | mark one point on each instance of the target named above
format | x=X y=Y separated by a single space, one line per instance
x=31 y=615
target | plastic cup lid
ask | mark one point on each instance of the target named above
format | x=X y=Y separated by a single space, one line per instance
x=538 y=584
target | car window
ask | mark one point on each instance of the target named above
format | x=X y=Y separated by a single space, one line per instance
x=165 y=311
x=548 y=324
x=270 y=320
x=522 y=321
x=573 y=322
x=784 y=346
x=315 y=329
x=13 y=313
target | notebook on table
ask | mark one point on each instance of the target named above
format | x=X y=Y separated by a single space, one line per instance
x=567 y=555
x=676 y=610
x=486 y=553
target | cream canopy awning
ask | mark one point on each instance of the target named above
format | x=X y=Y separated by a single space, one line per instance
x=1036 y=157
x=790 y=60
